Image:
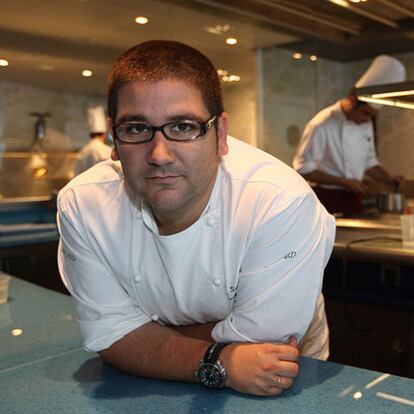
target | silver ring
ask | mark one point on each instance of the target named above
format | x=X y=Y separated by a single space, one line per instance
x=278 y=380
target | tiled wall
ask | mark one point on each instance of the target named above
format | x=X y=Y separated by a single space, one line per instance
x=294 y=90
x=67 y=127
x=240 y=103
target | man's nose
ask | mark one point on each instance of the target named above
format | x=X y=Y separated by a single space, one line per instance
x=160 y=152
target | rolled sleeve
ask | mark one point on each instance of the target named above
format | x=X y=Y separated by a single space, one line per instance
x=281 y=276
x=105 y=311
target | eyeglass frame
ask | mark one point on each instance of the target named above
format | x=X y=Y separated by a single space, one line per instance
x=204 y=127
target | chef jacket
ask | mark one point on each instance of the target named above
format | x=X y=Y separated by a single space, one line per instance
x=335 y=145
x=92 y=153
x=253 y=261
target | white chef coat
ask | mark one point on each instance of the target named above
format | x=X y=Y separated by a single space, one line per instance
x=92 y=153
x=334 y=145
x=253 y=261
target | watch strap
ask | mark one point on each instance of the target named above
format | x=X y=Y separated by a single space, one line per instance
x=213 y=352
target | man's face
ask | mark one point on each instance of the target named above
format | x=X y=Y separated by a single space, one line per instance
x=362 y=113
x=174 y=178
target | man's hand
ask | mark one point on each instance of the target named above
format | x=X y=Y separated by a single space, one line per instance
x=261 y=368
x=354 y=186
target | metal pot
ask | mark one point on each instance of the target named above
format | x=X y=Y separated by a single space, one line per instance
x=390 y=202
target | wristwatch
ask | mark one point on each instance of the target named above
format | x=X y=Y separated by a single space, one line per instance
x=211 y=372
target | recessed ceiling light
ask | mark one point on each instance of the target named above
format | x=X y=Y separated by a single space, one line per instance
x=342 y=3
x=313 y=58
x=218 y=29
x=4 y=62
x=86 y=73
x=297 y=56
x=231 y=41
x=225 y=77
x=141 y=20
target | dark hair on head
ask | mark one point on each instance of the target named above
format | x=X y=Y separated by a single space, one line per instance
x=157 y=60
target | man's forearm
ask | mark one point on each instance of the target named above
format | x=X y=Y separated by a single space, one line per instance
x=200 y=331
x=379 y=174
x=157 y=351
x=320 y=177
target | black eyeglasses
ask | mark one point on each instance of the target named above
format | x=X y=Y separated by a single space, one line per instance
x=181 y=130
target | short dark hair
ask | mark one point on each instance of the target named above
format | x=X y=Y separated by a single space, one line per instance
x=157 y=60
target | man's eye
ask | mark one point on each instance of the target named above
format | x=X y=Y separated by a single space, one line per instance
x=137 y=129
x=184 y=126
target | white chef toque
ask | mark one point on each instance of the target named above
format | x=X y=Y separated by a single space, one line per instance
x=383 y=69
x=96 y=119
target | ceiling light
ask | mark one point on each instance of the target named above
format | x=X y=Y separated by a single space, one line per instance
x=218 y=29
x=313 y=58
x=86 y=73
x=297 y=56
x=393 y=94
x=141 y=20
x=231 y=41
x=234 y=78
x=221 y=72
x=230 y=78
x=387 y=102
x=4 y=62
x=342 y=3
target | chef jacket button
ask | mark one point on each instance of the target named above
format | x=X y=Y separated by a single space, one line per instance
x=155 y=317
x=210 y=221
x=137 y=278
x=216 y=281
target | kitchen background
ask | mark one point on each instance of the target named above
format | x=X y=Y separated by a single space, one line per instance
x=292 y=58
x=276 y=95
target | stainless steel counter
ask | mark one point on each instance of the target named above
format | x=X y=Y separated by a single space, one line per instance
x=372 y=237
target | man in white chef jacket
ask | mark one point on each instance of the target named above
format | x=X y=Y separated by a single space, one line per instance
x=337 y=147
x=192 y=256
x=96 y=150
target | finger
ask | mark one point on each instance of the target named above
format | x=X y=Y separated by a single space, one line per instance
x=287 y=369
x=293 y=341
x=288 y=353
x=283 y=382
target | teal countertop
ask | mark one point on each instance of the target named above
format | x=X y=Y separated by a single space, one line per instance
x=35 y=323
x=44 y=370
x=77 y=382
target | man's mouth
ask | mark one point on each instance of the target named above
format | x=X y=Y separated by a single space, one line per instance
x=163 y=178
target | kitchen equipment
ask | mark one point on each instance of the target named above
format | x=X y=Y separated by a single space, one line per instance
x=388 y=202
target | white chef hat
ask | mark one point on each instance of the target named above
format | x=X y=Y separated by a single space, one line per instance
x=383 y=69
x=96 y=119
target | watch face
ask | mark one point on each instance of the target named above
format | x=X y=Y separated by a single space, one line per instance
x=212 y=375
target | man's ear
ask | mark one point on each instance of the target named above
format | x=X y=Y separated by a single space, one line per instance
x=222 y=130
x=114 y=154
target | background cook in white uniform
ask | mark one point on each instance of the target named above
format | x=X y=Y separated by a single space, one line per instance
x=95 y=150
x=337 y=147
x=253 y=261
